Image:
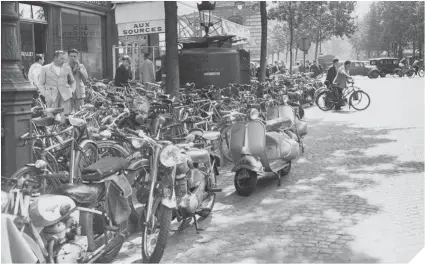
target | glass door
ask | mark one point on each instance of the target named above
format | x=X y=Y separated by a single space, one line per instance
x=27 y=45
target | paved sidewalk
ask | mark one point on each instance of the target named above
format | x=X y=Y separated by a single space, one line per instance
x=357 y=195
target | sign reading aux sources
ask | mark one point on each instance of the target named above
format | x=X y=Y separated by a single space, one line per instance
x=141 y=28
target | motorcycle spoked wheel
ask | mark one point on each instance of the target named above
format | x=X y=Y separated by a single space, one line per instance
x=245 y=181
x=155 y=233
x=225 y=144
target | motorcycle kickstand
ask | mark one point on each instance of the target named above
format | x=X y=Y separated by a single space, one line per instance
x=279 y=177
x=196 y=225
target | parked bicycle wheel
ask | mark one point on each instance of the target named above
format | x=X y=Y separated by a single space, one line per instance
x=34 y=183
x=86 y=156
x=359 y=100
x=325 y=100
x=225 y=143
x=421 y=72
x=111 y=149
x=52 y=164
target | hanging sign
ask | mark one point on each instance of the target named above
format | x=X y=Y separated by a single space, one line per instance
x=141 y=28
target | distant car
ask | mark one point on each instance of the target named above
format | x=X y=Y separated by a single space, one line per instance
x=382 y=67
x=358 y=68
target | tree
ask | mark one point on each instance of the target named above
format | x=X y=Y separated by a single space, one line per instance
x=263 y=53
x=172 y=55
x=277 y=40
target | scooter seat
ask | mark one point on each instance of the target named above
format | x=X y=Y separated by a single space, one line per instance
x=278 y=123
x=104 y=168
x=81 y=194
x=211 y=135
x=198 y=155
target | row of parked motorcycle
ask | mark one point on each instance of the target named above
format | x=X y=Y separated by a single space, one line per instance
x=134 y=160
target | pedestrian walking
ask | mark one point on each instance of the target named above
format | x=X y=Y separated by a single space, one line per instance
x=123 y=73
x=56 y=82
x=80 y=75
x=147 y=70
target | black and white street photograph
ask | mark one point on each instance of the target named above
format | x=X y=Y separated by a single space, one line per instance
x=212 y=132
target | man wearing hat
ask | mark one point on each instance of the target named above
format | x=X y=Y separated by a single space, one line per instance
x=123 y=73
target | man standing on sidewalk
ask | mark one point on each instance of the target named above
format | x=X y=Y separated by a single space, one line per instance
x=56 y=81
x=80 y=75
x=147 y=72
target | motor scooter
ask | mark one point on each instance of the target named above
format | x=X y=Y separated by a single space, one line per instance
x=262 y=148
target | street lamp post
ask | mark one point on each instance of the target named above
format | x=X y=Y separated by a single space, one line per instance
x=16 y=94
x=205 y=9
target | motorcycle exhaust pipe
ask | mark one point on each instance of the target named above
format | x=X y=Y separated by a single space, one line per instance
x=106 y=248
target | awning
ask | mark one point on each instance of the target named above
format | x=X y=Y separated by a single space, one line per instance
x=148 y=17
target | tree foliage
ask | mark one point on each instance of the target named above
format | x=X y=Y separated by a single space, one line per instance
x=318 y=20
x=401 y=23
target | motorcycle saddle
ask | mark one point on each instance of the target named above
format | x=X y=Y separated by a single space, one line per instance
x=53 y=111
x=198 y=155
x=104 y=168
x=43 y=121
x=81 y=194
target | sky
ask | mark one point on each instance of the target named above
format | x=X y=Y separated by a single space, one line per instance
x=362 y=7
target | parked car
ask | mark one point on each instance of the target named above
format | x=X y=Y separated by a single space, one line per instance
x=358 y=68
x=382 y=67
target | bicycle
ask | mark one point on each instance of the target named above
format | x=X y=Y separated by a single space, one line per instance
x=353 y=93
x=83 y=152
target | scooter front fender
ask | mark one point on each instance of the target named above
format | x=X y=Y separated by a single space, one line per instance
x=250 y=163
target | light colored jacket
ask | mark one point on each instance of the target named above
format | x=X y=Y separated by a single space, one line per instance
x=34 y=72
x=341 y=77
x=49 y=80
x=147 y=71
x=80 y=77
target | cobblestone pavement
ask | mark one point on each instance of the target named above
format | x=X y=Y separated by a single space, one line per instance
x=357 y=195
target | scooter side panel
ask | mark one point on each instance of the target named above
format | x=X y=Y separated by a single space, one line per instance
x=255 y=138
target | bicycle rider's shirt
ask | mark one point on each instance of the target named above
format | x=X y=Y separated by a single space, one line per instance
x=342 y=76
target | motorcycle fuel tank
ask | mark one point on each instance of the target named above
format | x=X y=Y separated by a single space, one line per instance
x=49 y=209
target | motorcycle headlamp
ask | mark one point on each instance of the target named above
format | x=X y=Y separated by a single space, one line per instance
x=171 y=156
x=254 y=114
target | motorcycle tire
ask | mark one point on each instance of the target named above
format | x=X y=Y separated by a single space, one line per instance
x=164 y=215
x=249 y=183
x=225 y=144
x=213 y=196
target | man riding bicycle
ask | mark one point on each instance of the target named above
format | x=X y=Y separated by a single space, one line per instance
x=341 y=79
x=404 y=65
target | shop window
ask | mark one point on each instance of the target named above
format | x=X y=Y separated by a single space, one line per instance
x=38 y=13
x=27 y=45
x=82 y=31
x=31 y=12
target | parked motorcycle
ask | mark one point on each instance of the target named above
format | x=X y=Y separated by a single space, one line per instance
x=262 y=148
x=80 y=223
x=179 y=182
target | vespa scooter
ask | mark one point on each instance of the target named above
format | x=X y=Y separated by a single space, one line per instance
x=262 y=148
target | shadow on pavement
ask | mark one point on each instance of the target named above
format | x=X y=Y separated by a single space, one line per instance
x=304 y=220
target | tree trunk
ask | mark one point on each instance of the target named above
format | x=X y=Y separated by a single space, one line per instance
x=296 y=54
x=263 y=54
x=400 y=50
x=278 y=55
x=291 y=36
x=414 y=47
x=172 y=53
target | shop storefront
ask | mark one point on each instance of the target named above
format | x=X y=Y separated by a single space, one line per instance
x=86 y=26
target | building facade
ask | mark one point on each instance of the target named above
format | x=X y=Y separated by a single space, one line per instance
x=247 y=14
x=89 y=27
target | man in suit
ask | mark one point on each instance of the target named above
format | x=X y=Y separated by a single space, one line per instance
x=56 y=82
x=80 y=75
